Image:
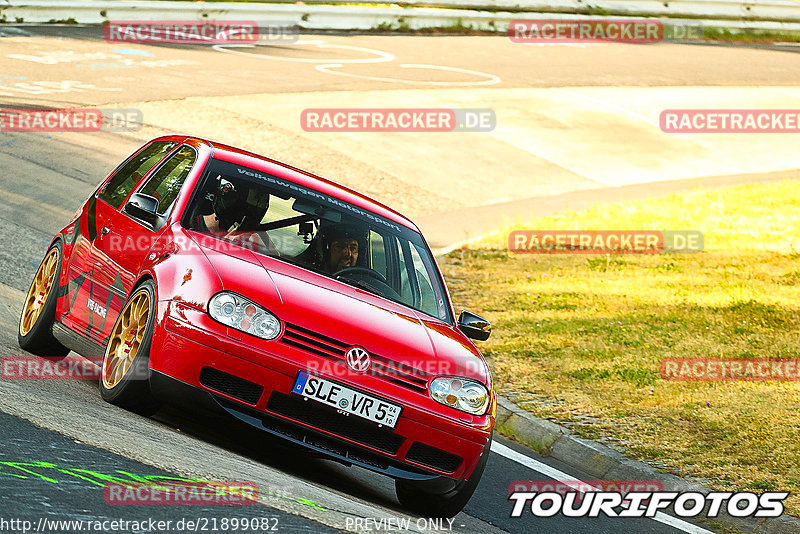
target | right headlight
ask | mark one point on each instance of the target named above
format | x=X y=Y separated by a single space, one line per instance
x=244 y=315
x=460 y=393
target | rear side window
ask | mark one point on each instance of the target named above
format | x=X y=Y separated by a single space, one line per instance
x=166 y=182
x=126 y=178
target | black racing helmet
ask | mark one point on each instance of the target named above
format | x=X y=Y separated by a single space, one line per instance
x=242 y=203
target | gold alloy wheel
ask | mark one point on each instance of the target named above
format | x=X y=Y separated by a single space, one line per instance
x=125 y=339
x=37 y=294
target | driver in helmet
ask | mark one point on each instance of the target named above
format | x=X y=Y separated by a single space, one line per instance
x=236 y=212
x=217 y=212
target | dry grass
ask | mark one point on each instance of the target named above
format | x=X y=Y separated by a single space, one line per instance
x=578 y=339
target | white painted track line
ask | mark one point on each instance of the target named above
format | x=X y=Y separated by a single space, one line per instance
x=555 y=474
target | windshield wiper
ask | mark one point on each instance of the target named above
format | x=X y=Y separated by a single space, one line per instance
x=361 y=285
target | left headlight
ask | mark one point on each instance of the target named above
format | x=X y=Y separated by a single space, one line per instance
x=461 y=393
x=244 y=315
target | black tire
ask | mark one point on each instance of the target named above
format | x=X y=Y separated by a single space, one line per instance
x=445 y=505
x=132 y=392
x=39 y=338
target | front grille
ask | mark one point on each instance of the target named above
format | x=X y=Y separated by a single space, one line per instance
x=333 y=349
x=305 y=339
x=232 y=385
x=286 y=429
x=399 y=373
x=326 y=418
x=433 y=457
x=325 y=443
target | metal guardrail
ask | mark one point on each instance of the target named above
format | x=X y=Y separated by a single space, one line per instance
x=776 y=10
x=773 y=15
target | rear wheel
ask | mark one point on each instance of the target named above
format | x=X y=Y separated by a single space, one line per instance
x=124 y=379
x=441 y=505
x=39 y=309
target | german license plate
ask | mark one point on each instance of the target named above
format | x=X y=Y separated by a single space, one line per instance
x=347 y=400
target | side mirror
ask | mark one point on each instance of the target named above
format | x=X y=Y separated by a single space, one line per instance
x=474 y=326
x=143 y=207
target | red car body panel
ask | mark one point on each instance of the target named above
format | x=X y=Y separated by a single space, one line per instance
x=107 y=253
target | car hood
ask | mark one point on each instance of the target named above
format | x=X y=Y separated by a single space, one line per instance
x=311 y=301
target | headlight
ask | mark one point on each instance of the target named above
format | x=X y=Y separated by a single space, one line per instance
x=461 y=393
x=243 y=314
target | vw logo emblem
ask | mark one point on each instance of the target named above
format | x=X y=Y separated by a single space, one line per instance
x=357 y=359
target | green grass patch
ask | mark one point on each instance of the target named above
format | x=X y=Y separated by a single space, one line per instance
x=579 y=339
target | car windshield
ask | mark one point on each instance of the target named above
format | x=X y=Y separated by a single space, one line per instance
x=281 y=219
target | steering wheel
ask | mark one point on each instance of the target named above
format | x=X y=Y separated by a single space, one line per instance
x=378 y=283
x=362 y=270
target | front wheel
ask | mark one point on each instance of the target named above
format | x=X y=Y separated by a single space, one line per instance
x=124 y=379
x=39 y=309
x=441 y=505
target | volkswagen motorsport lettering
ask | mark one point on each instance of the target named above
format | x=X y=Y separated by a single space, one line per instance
x=315 y=194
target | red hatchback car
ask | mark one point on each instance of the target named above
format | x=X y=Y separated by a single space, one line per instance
x=206 y=275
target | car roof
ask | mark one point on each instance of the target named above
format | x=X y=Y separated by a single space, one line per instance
x=298 y=176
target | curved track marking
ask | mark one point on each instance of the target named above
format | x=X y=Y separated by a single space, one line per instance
x=382 y=56
x=324 y=65
x=491 y=78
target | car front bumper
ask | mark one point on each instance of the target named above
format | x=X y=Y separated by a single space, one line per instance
x=195 y=360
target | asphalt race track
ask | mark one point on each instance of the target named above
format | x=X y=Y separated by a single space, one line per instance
x=50 y=429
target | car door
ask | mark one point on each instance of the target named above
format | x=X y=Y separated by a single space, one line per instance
x=97 y=298
x=76 y=293
x=80 y=297
x=124 y=241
